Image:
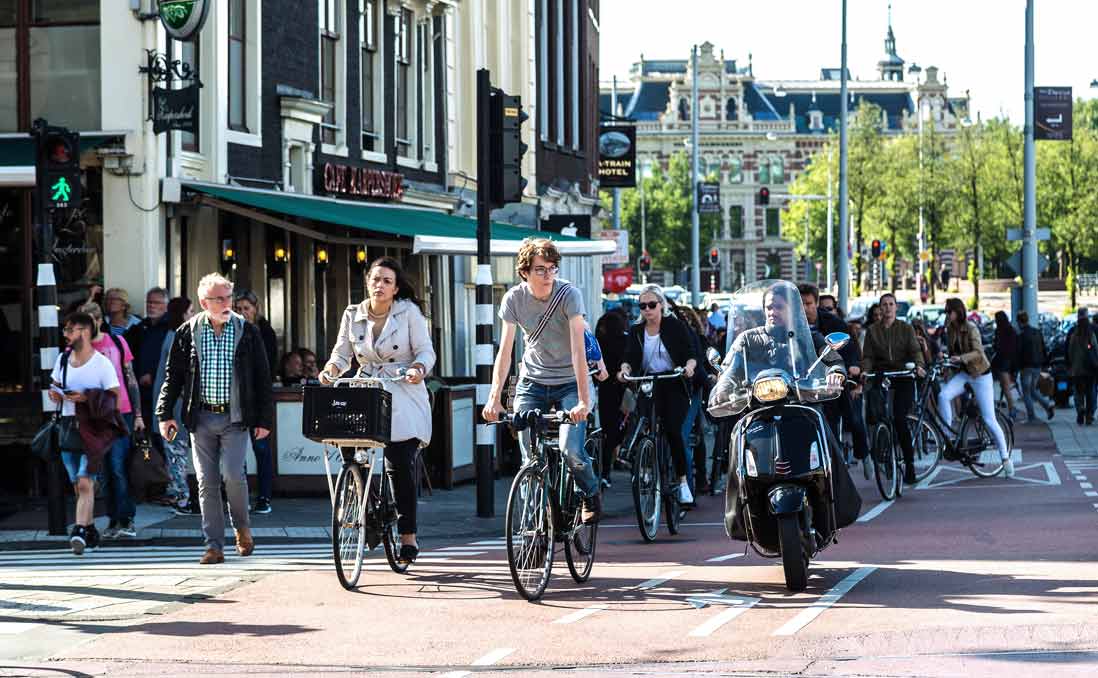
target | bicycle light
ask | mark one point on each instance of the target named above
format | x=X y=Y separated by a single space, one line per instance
x=770 y=389
x=646 y=387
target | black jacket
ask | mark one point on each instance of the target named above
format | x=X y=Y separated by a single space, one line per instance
x=270 y=341
x=826 y=323
x=677 y=338
x=1031 y=348
x=252 y=399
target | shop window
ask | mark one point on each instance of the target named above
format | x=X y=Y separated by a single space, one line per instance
x=13 y=295
x=735 y=221
x=773 y=222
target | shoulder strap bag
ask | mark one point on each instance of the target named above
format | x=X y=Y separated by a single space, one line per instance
x=44 y=444
x=554 y=304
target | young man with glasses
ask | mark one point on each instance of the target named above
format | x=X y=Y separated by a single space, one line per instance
x=554 y=361
x=218 y=366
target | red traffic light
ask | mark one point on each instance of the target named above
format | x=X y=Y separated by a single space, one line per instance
x=764 y=196
x=875 y=248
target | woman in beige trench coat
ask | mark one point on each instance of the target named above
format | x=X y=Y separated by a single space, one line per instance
x=387 y=333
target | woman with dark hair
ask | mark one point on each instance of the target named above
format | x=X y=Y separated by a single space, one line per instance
x=178 y=449
x=611 y=332
x=387 y=333
x=1004 y=364
x=872 y=315
x=927 y=345
x=698 y=395
x=966 y=352
x=291 y=369
x=247 y=305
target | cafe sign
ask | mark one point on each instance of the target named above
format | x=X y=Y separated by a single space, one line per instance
x=360 y=182
x=183 y=19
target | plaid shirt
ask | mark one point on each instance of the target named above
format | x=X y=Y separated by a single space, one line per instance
x=215 y=362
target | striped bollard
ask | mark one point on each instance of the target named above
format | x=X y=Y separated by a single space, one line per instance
x=49 y=340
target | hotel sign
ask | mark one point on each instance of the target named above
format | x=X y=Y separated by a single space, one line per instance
x=360 y=182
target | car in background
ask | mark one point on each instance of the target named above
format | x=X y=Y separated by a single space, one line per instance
x=932 y=315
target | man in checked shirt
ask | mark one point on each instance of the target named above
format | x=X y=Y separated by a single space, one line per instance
x=218 y=365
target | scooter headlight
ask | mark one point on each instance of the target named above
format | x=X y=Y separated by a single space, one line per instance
x=770 y=389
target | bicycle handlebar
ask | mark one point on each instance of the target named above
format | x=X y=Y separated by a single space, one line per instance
x=898 y=373
x=678 y=372
x=369 y=380
x=522 y=420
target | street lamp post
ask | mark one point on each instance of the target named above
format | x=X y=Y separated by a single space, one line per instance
x=695 y=230
x=844 y=260
x=1029 y=227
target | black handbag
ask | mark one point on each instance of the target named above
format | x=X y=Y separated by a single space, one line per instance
x=44 y=445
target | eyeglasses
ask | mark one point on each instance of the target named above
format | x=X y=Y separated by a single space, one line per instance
x=648 y=304
x=220 y=300
x=543 y=271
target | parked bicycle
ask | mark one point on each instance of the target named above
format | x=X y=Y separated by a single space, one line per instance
x=356 y=423
x=654 y=483
x=543 y=507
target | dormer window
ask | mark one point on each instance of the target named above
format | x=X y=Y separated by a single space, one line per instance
x=815 y=120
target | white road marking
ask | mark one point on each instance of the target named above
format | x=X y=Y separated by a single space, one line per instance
x=874 y=512
x=634 y=525
x=931 y=482
x=739 y=606
x=809 y=614
x=494 y=656
x=580 y=614
x=1086 y=486
x=1091 y=494
x=721 y=559
x=13 y=628
x=653 y=583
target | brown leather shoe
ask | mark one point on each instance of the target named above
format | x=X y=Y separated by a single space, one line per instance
x=244 y=542
x=212 y=556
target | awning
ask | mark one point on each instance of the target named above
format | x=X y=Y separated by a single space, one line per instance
x=431 y=232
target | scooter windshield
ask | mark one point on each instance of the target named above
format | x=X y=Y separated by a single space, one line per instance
x=770 y=331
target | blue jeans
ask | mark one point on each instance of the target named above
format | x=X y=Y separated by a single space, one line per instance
x=120 y=506
x=688 y=438
x=1030 y=377
x=76 y=464
x=264 y=466
x=533 y=396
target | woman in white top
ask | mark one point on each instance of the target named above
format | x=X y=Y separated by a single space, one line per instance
x=386 y=333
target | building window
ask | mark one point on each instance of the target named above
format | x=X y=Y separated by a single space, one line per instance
x=188 y=53
x=777 y=170
x=735 y=171
x=63 y=44
x=735 y=221
x=764 y=171
x=402 y=92
x=543 y=70
x=368 y=47
x=329 y=47
x=574 y=103
x=731 y=109
x=238 y=106
x=816 y=120
x=9 y=70
x=773 y=222
x=559 y=75
x=773 y=267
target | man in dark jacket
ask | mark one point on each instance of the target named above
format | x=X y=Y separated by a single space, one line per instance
x=1031 y=358
x=1082 y=354
x=145 y=339
x=218 y=366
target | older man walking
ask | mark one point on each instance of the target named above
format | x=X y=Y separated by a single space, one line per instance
x=218 y=366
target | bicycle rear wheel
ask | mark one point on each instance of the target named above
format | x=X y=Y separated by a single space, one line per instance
x=646 y=488
x=671 y=506
x=928 y=446
x=529 y=526
x=981 y=452
x=390 y=535
x=348 y=530
x=884 y=462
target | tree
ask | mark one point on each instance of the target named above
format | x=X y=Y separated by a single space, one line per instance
x=813 y=181
x=976 y=192
x=863 y=172
x=895 y=215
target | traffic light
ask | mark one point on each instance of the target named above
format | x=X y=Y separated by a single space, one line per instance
x=57 y=166
x=764 y=196
x=714 y=256
x=875 y=249
x=644 y=263
x=507 y=149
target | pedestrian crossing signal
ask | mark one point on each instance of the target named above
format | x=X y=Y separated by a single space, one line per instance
x=57 y=167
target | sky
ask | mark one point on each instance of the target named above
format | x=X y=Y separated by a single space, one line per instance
x=978 y=45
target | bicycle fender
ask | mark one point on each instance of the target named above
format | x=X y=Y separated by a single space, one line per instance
x=786 y=499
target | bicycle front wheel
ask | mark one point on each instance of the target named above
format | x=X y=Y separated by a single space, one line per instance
x=671 y=506
x=884 y=462
x=646 y=488
x=529 y=526
x=348 y=530
x=983 y=457
x=928 y=446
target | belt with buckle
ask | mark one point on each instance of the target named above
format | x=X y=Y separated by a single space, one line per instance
x=216 y=409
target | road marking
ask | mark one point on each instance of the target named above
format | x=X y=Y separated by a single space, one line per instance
x=634 y=525
x=453 y=552
x=490 y=542
x=721 y=559
x=494 y=656
x=580 y=614
x=739 y=606
x=809 y=614
x=874 y=512
x=13 y=628
x=1086 y=486
x=706 y=599
x=931 y=482
x=653 y=583
x=1091 y=494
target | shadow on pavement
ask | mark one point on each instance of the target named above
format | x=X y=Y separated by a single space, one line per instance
x=125 y=594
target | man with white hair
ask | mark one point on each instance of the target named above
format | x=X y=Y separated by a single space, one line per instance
x=218 y=366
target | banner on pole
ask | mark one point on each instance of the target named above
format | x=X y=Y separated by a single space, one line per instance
x=1052 y=113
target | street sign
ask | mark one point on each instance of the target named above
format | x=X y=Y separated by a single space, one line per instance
x=1015 y=234
x=1052 y=113
x=709 y=197
x=621 y=254
x=1015 y=262
x=617 y=156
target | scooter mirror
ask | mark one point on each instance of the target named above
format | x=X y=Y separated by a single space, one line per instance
x=836 y=340
x=713 y=357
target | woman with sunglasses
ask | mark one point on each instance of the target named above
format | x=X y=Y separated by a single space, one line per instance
x=658 y=343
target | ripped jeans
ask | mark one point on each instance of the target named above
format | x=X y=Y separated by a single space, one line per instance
x=530 y=395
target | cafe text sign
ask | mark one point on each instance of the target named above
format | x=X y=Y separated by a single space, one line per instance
x=360 y=182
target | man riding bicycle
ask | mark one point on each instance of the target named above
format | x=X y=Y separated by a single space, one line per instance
x=889 y=345
x=554 y=362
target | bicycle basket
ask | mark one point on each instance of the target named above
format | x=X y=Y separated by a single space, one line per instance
x=360 y=416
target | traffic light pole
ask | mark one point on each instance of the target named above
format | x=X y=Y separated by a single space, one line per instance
x=485 y=438
x=844 y=208
x=695 y=231
x=1029 y=226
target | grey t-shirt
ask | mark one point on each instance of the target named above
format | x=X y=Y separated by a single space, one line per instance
x=549 y=359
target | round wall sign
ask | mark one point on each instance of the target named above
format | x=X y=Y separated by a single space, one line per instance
x=183 y=19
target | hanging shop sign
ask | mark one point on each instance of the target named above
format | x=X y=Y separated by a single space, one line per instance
x=359 y=182
x=169 y=107
x=575 y=225
x=183 y=19
x=617 y=156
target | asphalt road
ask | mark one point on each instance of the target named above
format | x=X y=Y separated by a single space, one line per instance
x=962 y=576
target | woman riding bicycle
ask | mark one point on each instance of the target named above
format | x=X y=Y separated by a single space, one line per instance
x=386 y=333
x=658 y=343
x=966 y=351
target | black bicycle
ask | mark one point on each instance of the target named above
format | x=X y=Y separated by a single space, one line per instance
x=544 y=504
x=888 y=461
x=654 y=481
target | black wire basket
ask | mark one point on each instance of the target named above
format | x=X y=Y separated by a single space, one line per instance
x=360 y=417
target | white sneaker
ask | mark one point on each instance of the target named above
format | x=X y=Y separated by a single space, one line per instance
x=1008 y=468
x=686 y=497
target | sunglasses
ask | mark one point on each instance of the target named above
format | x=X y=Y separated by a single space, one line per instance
x=648 y=304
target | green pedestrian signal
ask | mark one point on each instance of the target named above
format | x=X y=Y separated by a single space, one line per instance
x=61 y=190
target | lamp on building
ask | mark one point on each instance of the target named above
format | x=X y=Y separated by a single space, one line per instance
x=281 y=256
x=228 y=255
x=321 y=257
x=360 y=256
